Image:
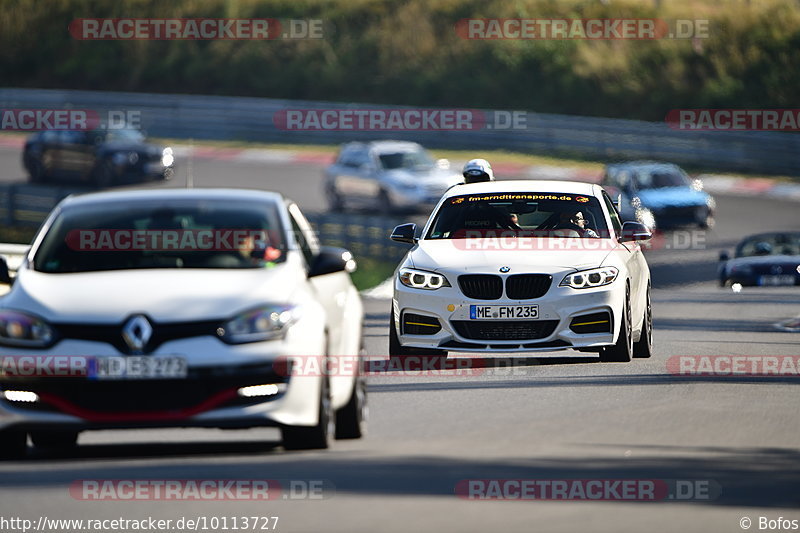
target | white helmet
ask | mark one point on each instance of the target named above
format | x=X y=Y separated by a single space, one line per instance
x=478 y=170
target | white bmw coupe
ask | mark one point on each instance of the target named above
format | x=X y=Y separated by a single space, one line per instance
x=523 y=266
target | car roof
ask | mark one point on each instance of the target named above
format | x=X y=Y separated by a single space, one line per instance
x=765 y=234
x=547 y=186
x=388 y=145
x=154 y=195
x=641 y=164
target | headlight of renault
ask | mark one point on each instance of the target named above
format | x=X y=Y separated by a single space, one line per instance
x=24 y=330
x=167 y=158
x=422 y=279
x=260 y=324
x=585 y=279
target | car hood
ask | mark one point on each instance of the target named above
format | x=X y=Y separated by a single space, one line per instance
x=165 y=295
x=126 y=146
x=672 y=197
x=430 y=178
x=488 y=255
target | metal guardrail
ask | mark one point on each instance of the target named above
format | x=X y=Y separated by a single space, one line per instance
x=251 y=119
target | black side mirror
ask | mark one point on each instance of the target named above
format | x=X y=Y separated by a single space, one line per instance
x=634 y=231
x=332 y=259
x=404 y=233
x=723 y=255
x=5 y=275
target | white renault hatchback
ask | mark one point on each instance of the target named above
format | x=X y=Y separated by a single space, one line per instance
x=170 y=309
x=523 y=266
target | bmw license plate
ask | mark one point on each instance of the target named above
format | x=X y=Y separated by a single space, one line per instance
x=784 y=279
x=503 y=312
x=137 y=367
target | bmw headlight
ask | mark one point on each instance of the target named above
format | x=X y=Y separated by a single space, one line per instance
x=167 y=158
x=422 y=279
x=586 y=279
x=260 y=324
x=24 y=330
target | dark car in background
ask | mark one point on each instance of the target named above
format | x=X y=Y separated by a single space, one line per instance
x=765 y=259
x=659 y=195
x=387 y=176
x=103 y=157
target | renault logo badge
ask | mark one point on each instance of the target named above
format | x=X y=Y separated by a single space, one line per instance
x=137 y=332
x=505 y=269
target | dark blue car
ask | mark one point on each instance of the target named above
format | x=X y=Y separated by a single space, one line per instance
x=659 y=195
x=766 y=259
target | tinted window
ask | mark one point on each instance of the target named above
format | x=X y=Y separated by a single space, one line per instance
x=182 y=234
x=537 y=214
x=417 y=159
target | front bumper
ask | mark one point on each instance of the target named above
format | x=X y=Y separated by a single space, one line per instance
x=207 y=397
x=557 y=309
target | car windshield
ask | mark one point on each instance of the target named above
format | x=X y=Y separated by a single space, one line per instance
x=526 y=214
x=659 y=179
x=413 y=160
x=770 y=244
x=124 y=134
x=182 y=234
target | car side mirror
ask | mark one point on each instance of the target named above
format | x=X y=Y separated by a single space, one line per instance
x=331 y=259
x=5 y=274
x=723 y=255
x=634 y=231
x=404 y=233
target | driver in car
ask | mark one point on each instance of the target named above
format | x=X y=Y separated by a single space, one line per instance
x=574 y=220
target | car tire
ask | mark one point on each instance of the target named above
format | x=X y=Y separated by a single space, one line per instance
x=54 y=440
x=708 y=222
x=103 y=175
x=643 y=348
x=351 y=420
x=622 y=351
x=36 y=170
x=13 y=444
x=335 y=202
x=385 y=203
x=314 y=437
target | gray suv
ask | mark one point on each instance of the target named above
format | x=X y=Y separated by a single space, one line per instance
x=388 y=176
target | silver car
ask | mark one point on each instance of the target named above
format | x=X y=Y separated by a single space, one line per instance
x=387 y=176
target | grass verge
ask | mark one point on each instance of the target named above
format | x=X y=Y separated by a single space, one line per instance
x=372 y=272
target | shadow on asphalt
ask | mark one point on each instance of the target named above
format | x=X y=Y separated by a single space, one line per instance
x=747 y=477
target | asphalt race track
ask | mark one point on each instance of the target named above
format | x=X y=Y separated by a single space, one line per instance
x=538 y=419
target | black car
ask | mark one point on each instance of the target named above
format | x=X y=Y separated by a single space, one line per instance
x=766 y=259
x=103 y=157
x=659 y=195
